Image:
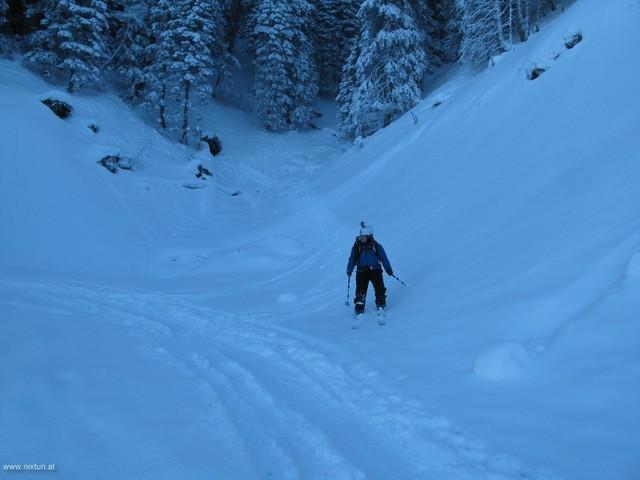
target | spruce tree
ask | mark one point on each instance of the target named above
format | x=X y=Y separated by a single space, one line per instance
x=237 y=21
x=72 y=42
x=286 y=79
x=195 y=32
x=522 y=18
x=383 y=76
x=24 y=16
x=443 y=31
x=156 y=72
x=183 y=63
x=335 y=27
x=482 y=32
x=4 y=8
x=348 y=84
x=129 y=27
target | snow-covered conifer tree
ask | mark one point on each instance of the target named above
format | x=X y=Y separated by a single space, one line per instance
x=237 y=21
x=25 y=15
x=552 y=4
x=335 y=27
x=129 y=26
x=348 y=84
x=383 y=76
x=194 y=33
x=522 y=18
x=286 y=79
x=156 y=72
x=72 y=42
x=515 y=16
x=4 y=8
x=443 y=31
x=183 y=62
x=482 y=32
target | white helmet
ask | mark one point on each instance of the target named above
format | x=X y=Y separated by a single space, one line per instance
x=365 y=229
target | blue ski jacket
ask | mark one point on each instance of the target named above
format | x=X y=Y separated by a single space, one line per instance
x=368 y=256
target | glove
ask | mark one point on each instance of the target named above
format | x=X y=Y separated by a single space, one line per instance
x=390 y=272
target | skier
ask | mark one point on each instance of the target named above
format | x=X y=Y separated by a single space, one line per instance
x=367 y=255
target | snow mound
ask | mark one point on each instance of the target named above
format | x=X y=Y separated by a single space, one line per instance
x=502 y=362
x=633 y=267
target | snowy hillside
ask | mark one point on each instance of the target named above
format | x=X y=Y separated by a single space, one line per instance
x=157 y=325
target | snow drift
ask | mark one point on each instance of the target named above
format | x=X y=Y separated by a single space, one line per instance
x=511 y=209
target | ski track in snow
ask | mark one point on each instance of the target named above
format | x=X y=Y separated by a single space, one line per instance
x=298 y=412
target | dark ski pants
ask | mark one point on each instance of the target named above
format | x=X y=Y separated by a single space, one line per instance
x=363 y=277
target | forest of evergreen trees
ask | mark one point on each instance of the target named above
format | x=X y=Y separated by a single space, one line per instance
x=162 y=55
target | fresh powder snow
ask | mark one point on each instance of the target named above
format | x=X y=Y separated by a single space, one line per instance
x=155 y=325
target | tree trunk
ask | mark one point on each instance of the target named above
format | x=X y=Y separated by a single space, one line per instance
x=185 y=112
x=522 y=19
x=163 y=107
x=70 y=82
x=498 y=17
x=510 y=23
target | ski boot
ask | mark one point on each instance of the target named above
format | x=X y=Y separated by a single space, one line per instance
x=382 y=316
x=359 y=312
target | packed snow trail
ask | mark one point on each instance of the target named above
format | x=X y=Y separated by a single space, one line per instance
x=279 y=404
x=202 y=333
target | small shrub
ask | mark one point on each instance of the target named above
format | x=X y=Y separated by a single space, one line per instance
x=573 y=41
x=215 y=144
x=113 y=163
x=125 y=163
x=60 y=108
x=203 y=172
x=535 y=72
x=110 y=162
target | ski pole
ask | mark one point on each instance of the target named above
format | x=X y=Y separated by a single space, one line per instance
x=348 y=290
x=394 y=276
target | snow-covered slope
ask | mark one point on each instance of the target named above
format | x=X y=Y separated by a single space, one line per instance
x=514 y=210
x=155 y=331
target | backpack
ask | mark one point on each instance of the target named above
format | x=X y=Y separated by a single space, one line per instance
x=358 y=246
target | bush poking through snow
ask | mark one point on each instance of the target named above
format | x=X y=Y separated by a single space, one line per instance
x=110 y=163
x=535 y=72
x=113 y=163
x=60 y=108
x=573 y=41
x=215 y=144
x=124 y=163
x=203 y=172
